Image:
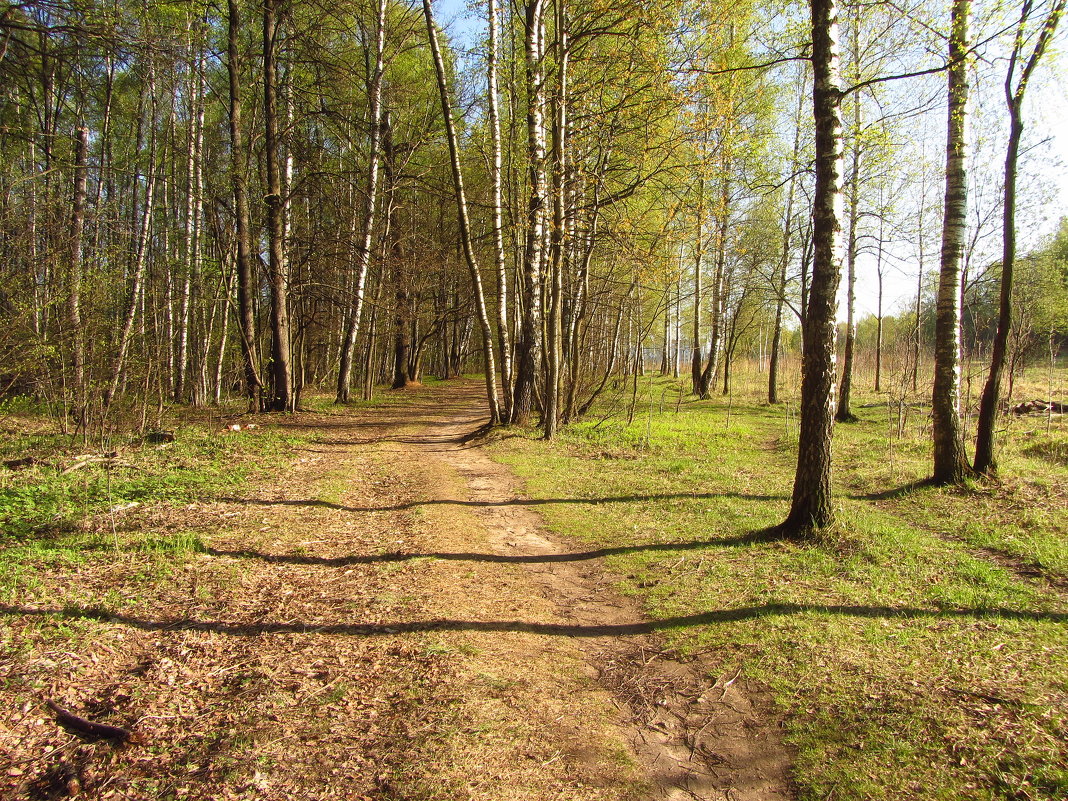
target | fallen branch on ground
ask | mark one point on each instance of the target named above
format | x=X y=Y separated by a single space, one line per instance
x=87 y=728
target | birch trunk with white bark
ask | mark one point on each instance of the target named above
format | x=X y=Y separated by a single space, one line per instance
x=464 y=221
x=950 y=459
x=363 y=249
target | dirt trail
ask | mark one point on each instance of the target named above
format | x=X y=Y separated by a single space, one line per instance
x=384 y=619
x=695 y=737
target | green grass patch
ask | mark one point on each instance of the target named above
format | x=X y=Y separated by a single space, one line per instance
x=910 y=662
x=200 y=464
x=54 y=518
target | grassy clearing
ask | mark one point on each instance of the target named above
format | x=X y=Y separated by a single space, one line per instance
x=911 y=662
x=55 y=513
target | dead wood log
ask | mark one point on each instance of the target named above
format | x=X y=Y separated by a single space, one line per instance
x=87 y=729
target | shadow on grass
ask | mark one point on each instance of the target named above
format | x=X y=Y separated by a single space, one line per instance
x=896 y=492
x=401 y=507
x=753 y=538
x=714 y=617
x=455 y=443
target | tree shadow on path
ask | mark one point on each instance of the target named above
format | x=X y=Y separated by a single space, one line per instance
x=401 y=507
x=532 y=559
x=550 y=629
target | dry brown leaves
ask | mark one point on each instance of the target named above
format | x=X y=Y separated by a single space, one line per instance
x=213 y=659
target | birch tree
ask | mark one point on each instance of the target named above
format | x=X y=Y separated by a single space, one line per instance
x=464 y=220
x=363 y=248
x=529 y=345
x=503 y=336
x=811 y=506
x=950 y=461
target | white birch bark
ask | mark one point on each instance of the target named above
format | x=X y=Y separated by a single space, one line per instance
x=503 y=336
x=465 y=224
x=363 y=250
x=950 y=461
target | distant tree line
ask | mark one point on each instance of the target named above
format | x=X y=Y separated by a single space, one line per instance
x=204 y=200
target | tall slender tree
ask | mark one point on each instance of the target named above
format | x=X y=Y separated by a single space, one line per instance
x=141 y=247
x=1015 y=90
x=843 y=414
x=464 y=220
x=811 y=507
x=950 y=460
x=282 y=398
x=784 y=258
x=503 y=335
x=364 y=246
x=76 y=273
x=246 y=322
x=557 y=244
x=529 y=344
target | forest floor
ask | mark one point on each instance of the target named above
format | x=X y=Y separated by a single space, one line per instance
x=380 y=615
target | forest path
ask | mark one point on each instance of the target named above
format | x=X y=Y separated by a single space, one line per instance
x=694 y=736
x=383 y=618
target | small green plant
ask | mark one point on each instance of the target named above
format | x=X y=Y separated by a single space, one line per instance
x=179 y=543
x=334 y=695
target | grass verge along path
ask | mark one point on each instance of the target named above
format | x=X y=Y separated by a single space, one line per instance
x=908 y=661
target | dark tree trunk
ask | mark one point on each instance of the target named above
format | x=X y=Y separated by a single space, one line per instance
x=697 y=382
x=579 y=309
x=281 y=367
x=787 y=236
x=917 y=330
x=988 y=407
x=402 y=302
x=844 y=414
x=74 y=294
x=719 y=290
x=402 y=342
x=879 y=308
x=554 y=326
x=665 y=358
x=811 y=507
x=246 y=321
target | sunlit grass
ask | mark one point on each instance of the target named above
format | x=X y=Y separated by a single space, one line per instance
x=61 y=511
x=912 y=663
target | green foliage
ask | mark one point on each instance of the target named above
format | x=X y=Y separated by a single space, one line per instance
x=1039 y=298
x=1047 y=281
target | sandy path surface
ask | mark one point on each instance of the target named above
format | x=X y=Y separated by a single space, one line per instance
x=693 y=735
x=385 y=618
